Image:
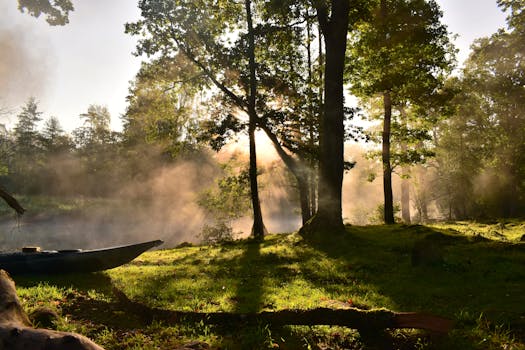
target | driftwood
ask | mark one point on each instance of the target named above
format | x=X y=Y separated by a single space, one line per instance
x=11 y=201
x=16 y=332
x=365 y=321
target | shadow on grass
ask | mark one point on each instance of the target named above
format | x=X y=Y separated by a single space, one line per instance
x=250 y=282
x=475 y=277
x=83 y=282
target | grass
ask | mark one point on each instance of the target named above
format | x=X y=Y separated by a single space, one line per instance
x=479 y=283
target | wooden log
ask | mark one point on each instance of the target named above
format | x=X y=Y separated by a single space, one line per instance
x=16 y=332
x=362 y=320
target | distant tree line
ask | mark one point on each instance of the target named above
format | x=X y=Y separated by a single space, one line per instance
x=37 y=157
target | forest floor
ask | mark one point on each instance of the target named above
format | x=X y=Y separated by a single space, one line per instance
x=471 y=273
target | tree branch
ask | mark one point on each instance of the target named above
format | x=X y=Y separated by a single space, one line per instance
x=11 y=201
x=322 y=15
x=236 y=99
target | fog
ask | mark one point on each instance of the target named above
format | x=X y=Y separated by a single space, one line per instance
x=161 y=203
x=23 y=71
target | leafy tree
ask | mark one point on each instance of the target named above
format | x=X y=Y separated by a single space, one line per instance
x=227 y=201
x=402 y=54
x=25 y=132
x=27 y=161
x=333 y=18
x=203 y=34
x=484 y=142
x=98 y=150
x=54 y=138
x=164 y=106
x=287 y=110
x=56 y=11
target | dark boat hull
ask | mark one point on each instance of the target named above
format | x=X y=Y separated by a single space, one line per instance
x=73 y=260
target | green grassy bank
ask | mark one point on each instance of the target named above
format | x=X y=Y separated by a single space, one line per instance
x=475 y=281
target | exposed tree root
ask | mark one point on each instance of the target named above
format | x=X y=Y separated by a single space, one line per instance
x=16 y=332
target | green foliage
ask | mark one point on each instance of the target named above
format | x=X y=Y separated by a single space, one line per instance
x=231 y=198
x=25 y=131
x=220 y=232
x=228 y=200
x=26 y=161
x=378 y=217
x=56 y=11
x=54 y=138
x=480 y=149
x=164 y=105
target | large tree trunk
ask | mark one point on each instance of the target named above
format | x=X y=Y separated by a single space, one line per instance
x=329 y=217
x=16 y=332
x=258 y=229
x=387 y=168
x=303 y=186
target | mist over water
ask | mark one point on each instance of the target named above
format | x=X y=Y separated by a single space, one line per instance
x=163 y=203
x=160 y=207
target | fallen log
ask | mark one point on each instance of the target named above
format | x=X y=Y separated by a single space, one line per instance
x=364 y=321
x=16 y=332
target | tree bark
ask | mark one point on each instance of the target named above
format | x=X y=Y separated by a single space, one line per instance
x=405 y=196
x=405 y=184
x=303 y=186
x=16 y=332
x=387 y=168
x=258 y=229
x=329 y=216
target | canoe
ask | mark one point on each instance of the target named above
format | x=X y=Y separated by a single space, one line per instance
x=73 y=260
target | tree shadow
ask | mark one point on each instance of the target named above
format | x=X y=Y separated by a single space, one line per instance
x=473 y=276
x=83 y=282
x=250 y=283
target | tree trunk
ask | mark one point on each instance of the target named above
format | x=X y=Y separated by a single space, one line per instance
x=387 y=168
x=16 y=332
x=298 y=169
x=304 y=198
x=329 y=217
x=405 y=184
x=258 y=229
x=405 y=196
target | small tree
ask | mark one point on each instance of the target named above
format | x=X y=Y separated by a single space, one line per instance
x=401 y=55
x=227 y=201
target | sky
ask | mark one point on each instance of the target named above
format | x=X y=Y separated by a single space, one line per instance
x=90 y=61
